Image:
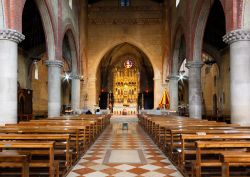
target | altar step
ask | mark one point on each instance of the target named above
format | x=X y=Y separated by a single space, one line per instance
x=123 y=118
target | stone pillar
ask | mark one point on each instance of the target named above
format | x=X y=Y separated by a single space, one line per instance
x=173 y=91
x=92 y=101
x=54 y=87
x=75 y=93
x=9 y=40
x=239 y=41
x=83 y=92
x=158 y=91
x=195 y=92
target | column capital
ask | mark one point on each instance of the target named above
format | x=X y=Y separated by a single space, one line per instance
x=173 y=77
x=76 y=77
x=54 y=63
x=12 y=35
x=237 y=35
x=194 y=64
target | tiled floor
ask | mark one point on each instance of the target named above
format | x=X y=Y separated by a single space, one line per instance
x=151 y=163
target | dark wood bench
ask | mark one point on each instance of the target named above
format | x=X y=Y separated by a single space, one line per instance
x=62 y=149
x=233 y=159
x=188 y=148
x=215 y=147
x=10 y=159
x=74 y=133
x=37 y=148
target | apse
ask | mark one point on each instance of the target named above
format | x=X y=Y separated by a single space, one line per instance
x=113 y=77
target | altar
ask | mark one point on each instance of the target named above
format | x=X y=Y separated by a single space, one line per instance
x=123 y=110
x=126 y=89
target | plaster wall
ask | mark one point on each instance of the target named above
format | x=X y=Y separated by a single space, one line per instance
x=110 y=25
x=22 y=71
x=40 y=87
x=222 y=88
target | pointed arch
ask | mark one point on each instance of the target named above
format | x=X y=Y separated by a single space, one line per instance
x=178 y=42
x=73 y=49
x=200 y=26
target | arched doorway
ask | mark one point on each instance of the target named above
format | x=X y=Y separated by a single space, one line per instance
x=113 y=63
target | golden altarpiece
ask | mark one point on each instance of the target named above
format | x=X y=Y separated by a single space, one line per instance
x=125 y=88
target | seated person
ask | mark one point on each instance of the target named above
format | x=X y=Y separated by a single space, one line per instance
x=88 y=112
x=98 y=111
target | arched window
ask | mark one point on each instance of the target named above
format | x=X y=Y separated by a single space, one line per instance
x=124 y=3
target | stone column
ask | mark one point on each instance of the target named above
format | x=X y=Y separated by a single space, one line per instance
x=54 y=87
x=239 y=41
x=195 y=92
x=9 y=40
x=75 y=93
x=173 y=91
x=92 y=99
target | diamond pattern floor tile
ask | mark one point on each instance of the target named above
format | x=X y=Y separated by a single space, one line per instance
x=113 y=138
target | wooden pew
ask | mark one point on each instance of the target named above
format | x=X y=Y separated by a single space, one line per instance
x=81 y=130
x=62 y=149
x=173 y=141
x=233 y=159
x=74 y=133
x=172 y=131
x=215 y=147
x=89 y=129
x=188 y=148
x=10 y=159
x=166 y=132
x=33 y=145
x=87 y=133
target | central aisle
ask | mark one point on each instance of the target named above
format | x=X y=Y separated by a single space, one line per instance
x=124 y=153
